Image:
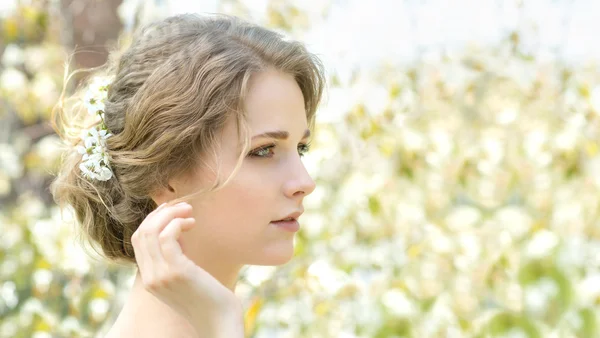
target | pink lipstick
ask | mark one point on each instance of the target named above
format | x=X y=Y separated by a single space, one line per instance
x=287 y=225
x=289 y=222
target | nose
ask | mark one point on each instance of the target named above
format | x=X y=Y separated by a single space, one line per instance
x=299 y=182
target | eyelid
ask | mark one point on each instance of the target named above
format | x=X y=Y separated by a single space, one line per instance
x=264 y=146
x=303 y=142
x=253 y=153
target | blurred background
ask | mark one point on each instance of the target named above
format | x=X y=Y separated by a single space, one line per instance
x=456 y=158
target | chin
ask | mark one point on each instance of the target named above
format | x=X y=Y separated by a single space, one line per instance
x=276 y=255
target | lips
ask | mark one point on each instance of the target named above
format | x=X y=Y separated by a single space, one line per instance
x=289 y=222
x=291 y=226
x=291 y=217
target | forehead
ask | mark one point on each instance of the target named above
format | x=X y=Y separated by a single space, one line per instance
x=274 y=99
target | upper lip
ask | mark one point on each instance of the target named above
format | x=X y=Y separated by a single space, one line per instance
x=293 y=215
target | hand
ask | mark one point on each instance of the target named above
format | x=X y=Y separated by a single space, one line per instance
x=176 y=280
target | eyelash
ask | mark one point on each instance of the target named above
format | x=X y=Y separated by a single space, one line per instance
x=303 y=148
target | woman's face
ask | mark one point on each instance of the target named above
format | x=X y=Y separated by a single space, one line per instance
x=233 y=224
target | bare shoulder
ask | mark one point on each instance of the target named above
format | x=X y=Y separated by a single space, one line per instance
x=125 y=326
x=130 y=325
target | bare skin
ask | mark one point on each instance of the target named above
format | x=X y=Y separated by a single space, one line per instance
x=162 y=294
x=189 y=255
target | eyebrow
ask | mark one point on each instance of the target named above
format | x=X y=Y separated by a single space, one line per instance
x=280 y=134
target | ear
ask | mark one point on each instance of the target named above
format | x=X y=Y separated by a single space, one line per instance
x=164 y=194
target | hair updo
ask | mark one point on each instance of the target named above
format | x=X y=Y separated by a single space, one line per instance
x=173 y=89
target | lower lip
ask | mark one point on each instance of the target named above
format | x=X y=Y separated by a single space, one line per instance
x=291 y=226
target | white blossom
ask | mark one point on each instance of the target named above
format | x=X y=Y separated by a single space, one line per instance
x=95 y=160
x=541 y=244
x=96 y=95
x=42 y=279
x=99 y=308
x=398 y=303
x=8 y=294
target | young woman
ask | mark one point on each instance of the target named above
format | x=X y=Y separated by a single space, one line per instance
x=209 y=111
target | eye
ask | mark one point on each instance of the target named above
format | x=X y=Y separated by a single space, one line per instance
x=303 y=148
x=264 y=151
x=267 y=151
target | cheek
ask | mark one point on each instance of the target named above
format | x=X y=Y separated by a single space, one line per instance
x=252 y=196
x=241 y=208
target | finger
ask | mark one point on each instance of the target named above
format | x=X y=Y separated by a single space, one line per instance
x=151 y=247
x=160 y=220
x=158 y=207
x=141 y=257
x=138 y=242
x=148 y=246
x=169 y=239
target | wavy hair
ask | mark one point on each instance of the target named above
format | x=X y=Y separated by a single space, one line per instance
x=174 y=88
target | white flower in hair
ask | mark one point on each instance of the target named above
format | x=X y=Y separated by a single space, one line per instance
x=95 y=162
x=96 y=95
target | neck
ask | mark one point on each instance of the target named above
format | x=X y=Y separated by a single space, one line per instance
x=228 y=277
x=143 y=304
x=219 y=264
x=226 y=274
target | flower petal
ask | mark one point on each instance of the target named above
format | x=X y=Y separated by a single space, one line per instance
x=86 y=172
x=105 y=174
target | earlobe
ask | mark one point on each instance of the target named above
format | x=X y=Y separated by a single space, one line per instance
x=164 y=194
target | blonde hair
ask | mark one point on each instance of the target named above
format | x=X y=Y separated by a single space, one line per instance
x=174 y=88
